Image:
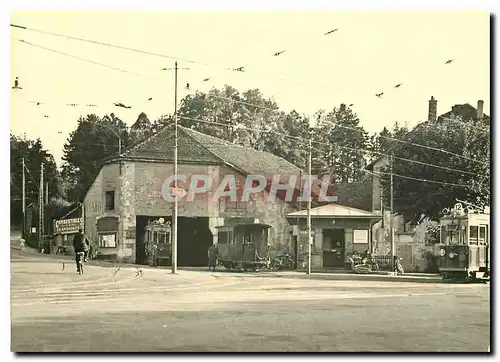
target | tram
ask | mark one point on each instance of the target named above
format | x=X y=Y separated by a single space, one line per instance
x=243 y=246
x=465 y=244
x=158 y=242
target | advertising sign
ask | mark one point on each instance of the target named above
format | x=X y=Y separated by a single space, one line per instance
x=68 y=226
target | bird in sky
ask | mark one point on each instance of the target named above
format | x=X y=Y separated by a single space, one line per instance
x=72 y=104
x=206 y=79
x=37 y=103
x=122 y=105
x=449 y=61
x=187 y=86
x=150 y=99
x=278 y=53
x=91 y=105
x=398 y=85
x=352 y=104
x=379 y=94
x=45 y=116
x=331 y=31
x=240 y=69
x=59 y=132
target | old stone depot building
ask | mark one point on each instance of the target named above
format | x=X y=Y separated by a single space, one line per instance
x=127 y=194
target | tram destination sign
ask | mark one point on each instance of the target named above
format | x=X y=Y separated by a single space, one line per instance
x=68 y=226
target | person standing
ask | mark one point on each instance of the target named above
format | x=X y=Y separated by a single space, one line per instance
x=212 y=257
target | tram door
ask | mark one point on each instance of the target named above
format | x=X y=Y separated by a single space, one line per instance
x=248 y=246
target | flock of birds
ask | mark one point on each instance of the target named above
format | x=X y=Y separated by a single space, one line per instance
x=188 y=86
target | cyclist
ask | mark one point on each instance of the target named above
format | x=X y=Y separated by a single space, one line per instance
x=79 y=246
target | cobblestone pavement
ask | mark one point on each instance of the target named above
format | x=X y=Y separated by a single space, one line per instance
x=126 y=309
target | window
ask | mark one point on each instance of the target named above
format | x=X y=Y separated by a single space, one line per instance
x=161 y=238
x=224 y=236
x=482 y=235
x=473 y=235
x=107 y=240
x=110 y=200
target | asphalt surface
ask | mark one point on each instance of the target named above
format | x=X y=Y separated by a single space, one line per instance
x=125 y=310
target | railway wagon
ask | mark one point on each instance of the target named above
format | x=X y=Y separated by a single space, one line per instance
x=243 y=246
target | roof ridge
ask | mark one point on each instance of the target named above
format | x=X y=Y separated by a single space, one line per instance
x=227 y=143
x=184 y=129
x=135 y=147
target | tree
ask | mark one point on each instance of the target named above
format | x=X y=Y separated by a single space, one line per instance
x=290 y=138
x=34 y=155
x=86 y=148
x=246 y=119
x=141 y=129
x=414 y=191
x=380 y=143
x=343 y=143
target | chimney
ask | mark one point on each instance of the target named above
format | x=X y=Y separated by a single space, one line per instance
x=480 y=104
x=432 y=110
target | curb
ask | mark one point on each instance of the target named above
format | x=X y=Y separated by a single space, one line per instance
x=361 y=277
x=314 y=276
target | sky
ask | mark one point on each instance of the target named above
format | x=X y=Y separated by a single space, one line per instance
x=370 y=53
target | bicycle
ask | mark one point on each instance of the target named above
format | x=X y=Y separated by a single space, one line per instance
x=80 y=257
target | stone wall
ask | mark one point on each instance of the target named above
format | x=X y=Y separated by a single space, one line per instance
x=138 y=191
x=127 y=206
x=95 y=199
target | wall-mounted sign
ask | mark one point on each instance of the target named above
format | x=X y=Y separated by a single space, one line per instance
x=107 y=240
x=360 y=237
x=68 y=226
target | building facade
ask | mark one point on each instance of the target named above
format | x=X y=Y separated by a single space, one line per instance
x=129 y=192
x=337 y=232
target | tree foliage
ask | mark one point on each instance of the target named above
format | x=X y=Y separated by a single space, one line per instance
x=94 y=140
x=342 y=145
x=413 y=195
x=33 y=153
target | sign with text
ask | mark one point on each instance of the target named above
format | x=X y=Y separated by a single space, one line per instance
x=360 y=236
x=68 y=226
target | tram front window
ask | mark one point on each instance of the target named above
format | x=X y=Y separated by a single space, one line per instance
x=452 y=236
x=161 y=238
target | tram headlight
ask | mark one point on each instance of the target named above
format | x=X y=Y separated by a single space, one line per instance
x=451 y=255
x=442 y=252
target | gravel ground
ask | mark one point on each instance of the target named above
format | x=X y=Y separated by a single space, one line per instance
x=111 y=310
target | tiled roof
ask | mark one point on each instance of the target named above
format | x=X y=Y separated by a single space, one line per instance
x=160 y=147
x=196 y=147
x=335 y=211
x=244 y=158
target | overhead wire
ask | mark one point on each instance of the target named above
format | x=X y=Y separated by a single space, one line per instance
x=150 y=53
x=229 y=99
x=82 y=59
x=125 y=48
x=315 y=142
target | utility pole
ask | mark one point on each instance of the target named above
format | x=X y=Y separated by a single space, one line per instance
x=40 y=207
x=391 y=221
x=174 y=212
x=119 y=146
x=23 y=223
x=309 y=234
x=46 y=192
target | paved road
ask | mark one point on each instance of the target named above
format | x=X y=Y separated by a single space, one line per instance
x=122 y=310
